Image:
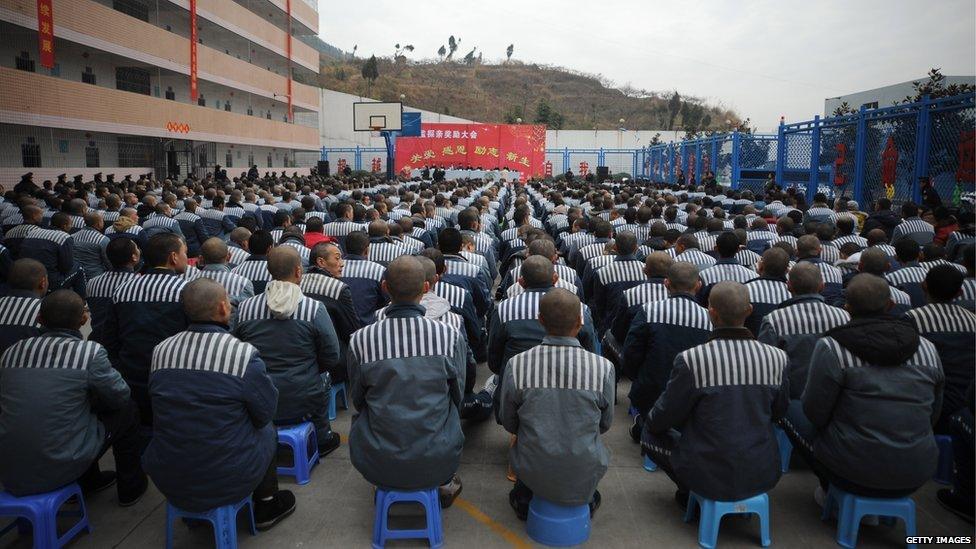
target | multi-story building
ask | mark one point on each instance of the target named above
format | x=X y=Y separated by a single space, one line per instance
x=886 y=96
x=118 y=95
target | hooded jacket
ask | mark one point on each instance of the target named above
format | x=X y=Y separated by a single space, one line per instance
x=873 y=393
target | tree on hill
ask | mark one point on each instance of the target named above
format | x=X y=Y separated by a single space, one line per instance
x=935 y=87
x=370 y=73
x=513 y=114
x=441 y=52
x=398 y=51
x=452 y=46
x=674 y=107
x=509 y=51
x=545 y=114
x=469 y=57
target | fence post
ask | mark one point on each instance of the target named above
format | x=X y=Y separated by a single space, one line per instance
x=713 y=156
x=634 y=172
x=860 y=154
x=670 y=153
x=324 y=154
x=601 y=158
x=357 y=159
x=736 y=147
x=921 y=149
x=698 y=160
x=814 y=180
x=781 y=154
x=565 y=159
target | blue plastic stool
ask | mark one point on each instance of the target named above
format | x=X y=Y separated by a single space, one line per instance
x=433 y=533
x=785 y=449
x=943 y=474
x=558 y=525
x=333 y=394
x=851 y=508
x=41 y=511
x=300 y=438
x=223 y=519
x=712 y=512
x=649 y=464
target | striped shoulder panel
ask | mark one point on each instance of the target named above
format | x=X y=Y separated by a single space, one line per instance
x=105 y=284
x=302 y=250
x=256 y=308
x=360 y=268
x=517 y=289
x=592 y=250
x=205 y=352
x=899 y=297
x=928 y=265
x=215 y=215
x=697 y=258
x=560 y=367
x=770 y=292
x=135 y=229
x=233 y=283
x=732 y=362
x=830 y=274
x=926 y=356
x=159 y=221
x=253 y=270
x=238 y=255
x=475 y=259
x=151 y=288
x=411 y=337
x=462 y=268
x=811 y=317
x=910 y=226
x=186 y=216
x=319 y=284
x=51 y=235
x=621 y=271
x=89 y=236
x=906 y=275
x=726 y=272
x=524 y=306
x=63 y=353
x=599 y=261
x=21 y=231
x=678 y=312
x=969 y=288
x=942 y=318
x=747 y=258
x=385 y=252
x=233 y=211
x=19 y=311
x=645 y=293
x=453 y=294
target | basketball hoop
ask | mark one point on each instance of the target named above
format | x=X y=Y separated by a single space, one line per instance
x=374 y=131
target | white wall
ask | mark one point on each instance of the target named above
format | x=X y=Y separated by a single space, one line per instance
x=885 y=96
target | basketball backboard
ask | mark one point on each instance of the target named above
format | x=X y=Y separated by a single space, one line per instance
x=372 y=116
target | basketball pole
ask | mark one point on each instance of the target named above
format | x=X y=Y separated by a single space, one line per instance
x=388 y=137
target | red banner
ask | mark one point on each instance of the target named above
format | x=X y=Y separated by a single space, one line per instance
x=193 y=50
x=45 y=32
x=515 y=147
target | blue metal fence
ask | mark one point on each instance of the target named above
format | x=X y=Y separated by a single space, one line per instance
x=871 y=154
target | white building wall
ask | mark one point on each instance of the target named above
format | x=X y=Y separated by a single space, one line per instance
x=886 y=96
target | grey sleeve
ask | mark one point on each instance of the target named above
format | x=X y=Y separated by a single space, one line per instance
x=326 y=340
x=459 y=364
x=676 y=402
x=508 y=403
x=606 y=404
x=767 y=333
x=260 y=393
x=355 y=384
x=105 y=384
x=824 y=382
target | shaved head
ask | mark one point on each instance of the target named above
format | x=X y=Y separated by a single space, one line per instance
x=874 y=261
x=537 y=272
x=560 y=313
x=28 y=275
x=62 y=310
x=728 y=305
x=202 y=299
x=805 y=278
x=214 y=251
x=405 y=277
x=283 y=262
x=430 y=269
x=544 y=247
x=868 y=294
x=658 y=264
x=682 y=277
x=775 y=263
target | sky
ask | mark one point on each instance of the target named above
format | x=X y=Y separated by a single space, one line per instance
x=763 y=59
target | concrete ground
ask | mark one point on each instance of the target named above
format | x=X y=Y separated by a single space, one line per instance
x=336 y=510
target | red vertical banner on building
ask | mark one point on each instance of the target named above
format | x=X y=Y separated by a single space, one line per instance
x=291 y=110
x=193 y=50
x=45 y=32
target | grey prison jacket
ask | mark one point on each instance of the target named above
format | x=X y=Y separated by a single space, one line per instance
x=295 y=350
x=874 y=392
x=558 y=398
x=50 y=388
x=406 y=380
x=723 y=396
x=952 y=329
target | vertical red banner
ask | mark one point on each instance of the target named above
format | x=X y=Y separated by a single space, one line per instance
x=193 y=50
x=291 y=109
x=45 y=32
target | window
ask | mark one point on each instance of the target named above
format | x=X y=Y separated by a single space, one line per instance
x=202 y=157
x=229 y=160
x=201 y=101
x=133 y=8
x=170 y=94
x=91 y=155
x=238 y=153
x=55 y=70
x=63 y=146
x=132 y=79
x=30 y=154
x=135 y=152
x=24 y=62
x=250 y=159
x=268 y=115
x=871 y=105
x=250 y=111
x=270 y=163
x=217 y=104
x=88 y=77
x=227 y=106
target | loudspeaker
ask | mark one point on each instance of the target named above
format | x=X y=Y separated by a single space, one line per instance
x=323 y=168
x=602 y=174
